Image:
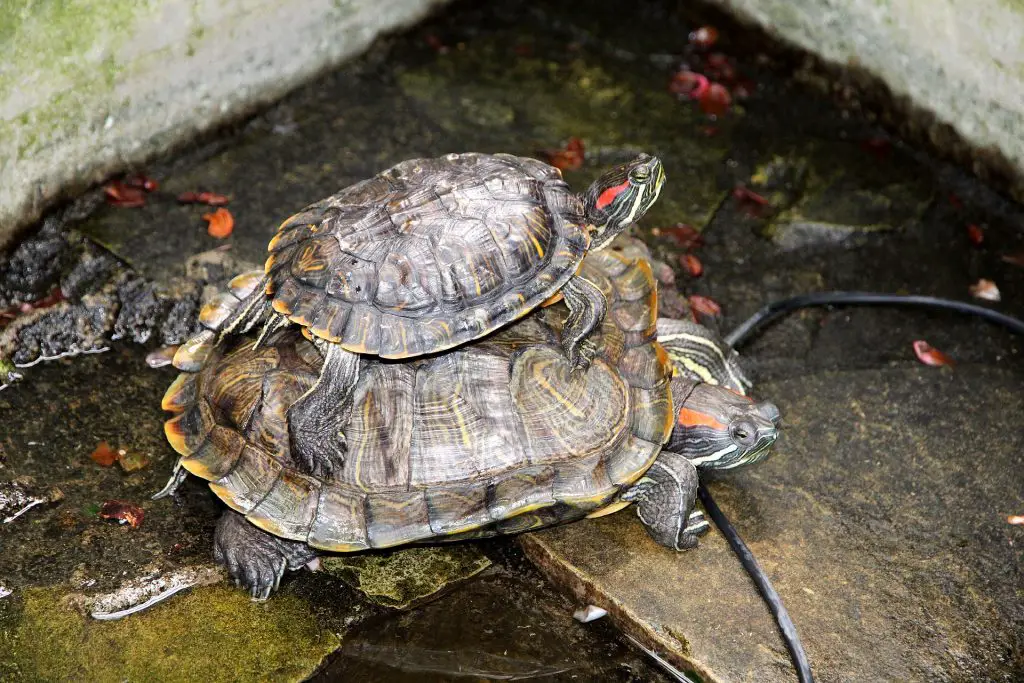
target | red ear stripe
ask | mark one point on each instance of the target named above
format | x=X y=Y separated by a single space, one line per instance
x=692 y=418
x=609 y=195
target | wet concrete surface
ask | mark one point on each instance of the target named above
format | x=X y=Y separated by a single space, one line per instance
x=882 y=517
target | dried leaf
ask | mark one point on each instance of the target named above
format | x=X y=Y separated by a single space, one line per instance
x=208 y=198
x=686 y=236
x=716 y=101
x=569 y=158
x=930 y=355
x=1015 y=519
x=692 y=265
x=1015 y=259
x=975 y=234
x=142 y=182
x=221 y=223
x=689 y=84
x=985 y=289
x=104 y=455
x=704 y=37
x=120 y=194
x=131 y=461
x=704 y=305
x=123 y=511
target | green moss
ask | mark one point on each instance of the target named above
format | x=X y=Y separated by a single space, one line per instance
x=407 y=577
x=66 y=50
x=209 y=634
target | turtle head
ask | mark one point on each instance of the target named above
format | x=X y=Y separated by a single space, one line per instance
x=621 y=197
x=718 y=428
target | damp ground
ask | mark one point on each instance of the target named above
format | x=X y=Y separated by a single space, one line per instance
x=882 y=517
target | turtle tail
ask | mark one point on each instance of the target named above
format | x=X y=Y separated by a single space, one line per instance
x=239 y=309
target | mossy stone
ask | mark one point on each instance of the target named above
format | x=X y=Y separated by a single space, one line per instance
x=208 y=634
x=406 y=578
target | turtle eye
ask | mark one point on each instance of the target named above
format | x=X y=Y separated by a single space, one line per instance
x=640 y=175
x=744 y=433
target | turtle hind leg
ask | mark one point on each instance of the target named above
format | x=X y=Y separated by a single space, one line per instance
x=255 y=559
x=316 y=421
x=665 y=497
x=587 y=306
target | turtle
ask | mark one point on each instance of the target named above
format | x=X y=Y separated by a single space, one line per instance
x=497 y=437
x=423 y=257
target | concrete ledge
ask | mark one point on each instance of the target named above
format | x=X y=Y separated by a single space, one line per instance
x=90 y=87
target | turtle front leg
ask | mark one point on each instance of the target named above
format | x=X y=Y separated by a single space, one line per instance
x=664 y=499
x=587 y=306
x=255 y=559
x=317 y=420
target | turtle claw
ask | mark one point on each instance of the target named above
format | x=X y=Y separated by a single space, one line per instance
x=581 y=355
x=256 y=560
x=318 y=449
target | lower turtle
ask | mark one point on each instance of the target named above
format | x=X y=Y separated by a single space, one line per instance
x=498 y=437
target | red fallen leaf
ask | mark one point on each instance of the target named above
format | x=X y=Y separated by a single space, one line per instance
x=709 y=131
x=704 y=305
x=142 y=182
x=209 y=198
x=54 y=297
x=984 y=289
x=704 y=37
x=689 y=84
x=716 y=100
x=686 y=236
x=955 y=201
x=569 y=158
x=880 y=148
x=752 y=202
x=120 y=194
x=104 y=455
x=975 y=234
x=720 y=68
x=123 y=511
x=1015 y=259
x=1015 y=519
x=929 y=355
x=523 y=50
x=221 y=223
x=692 y=265
x=436 y=43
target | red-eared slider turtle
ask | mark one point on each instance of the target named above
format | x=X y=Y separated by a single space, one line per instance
x=497 y=437
x=423 y=257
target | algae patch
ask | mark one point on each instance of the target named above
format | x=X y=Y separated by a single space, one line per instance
x=409 y=577
x=211 y=634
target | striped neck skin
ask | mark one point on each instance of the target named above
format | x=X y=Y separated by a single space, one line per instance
x=717 y=428
x=699 y=354
x=621 y=197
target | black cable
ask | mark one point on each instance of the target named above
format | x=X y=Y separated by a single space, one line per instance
x=764 y=586
x=774 y=310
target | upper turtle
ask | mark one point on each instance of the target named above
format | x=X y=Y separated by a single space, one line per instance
x=432 y=253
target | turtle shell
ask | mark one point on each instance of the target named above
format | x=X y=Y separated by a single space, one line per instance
x=428 y=254
x=497 y=437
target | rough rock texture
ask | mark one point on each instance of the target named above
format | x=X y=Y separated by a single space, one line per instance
x=90 y=87
x=946 y=63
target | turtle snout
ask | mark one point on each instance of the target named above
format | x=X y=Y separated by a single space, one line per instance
x=770 y=412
